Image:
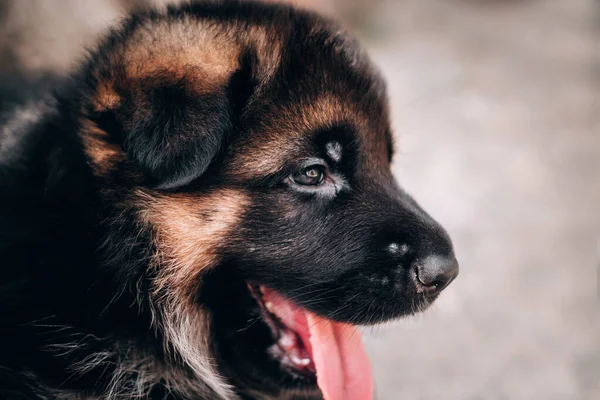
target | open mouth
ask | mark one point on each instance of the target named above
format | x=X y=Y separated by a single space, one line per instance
x=307 y=345
x=289 y=327
x=271 y=346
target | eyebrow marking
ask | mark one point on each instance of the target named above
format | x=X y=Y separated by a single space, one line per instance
x=398 y=249
x=334 y=150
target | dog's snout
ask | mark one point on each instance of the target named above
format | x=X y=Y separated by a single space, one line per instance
x=435 y=272
x=421 y=248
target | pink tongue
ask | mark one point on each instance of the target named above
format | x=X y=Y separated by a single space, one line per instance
x=343 y=368
x=342 y=365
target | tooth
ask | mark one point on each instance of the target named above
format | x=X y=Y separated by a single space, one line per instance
x=299 y=361
x=286 y=341
x=296 y=359
x=269 y=305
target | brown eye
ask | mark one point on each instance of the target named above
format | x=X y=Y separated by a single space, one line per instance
x=310 y=176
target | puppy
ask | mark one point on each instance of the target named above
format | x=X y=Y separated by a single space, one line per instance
x=205 y=211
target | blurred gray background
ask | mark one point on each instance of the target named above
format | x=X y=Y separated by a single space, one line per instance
x=496 y=109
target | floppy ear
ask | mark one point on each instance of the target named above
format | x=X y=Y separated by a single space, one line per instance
x=170 y=118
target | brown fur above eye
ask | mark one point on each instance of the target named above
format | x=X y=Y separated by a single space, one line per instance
x=287 y=132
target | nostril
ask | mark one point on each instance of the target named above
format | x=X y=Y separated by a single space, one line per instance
x=425 y=282
x=436 y=272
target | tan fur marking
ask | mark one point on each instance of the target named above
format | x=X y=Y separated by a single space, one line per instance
x=202 y=54
x=198 y=53
x=189 y=230
x=268 y=47
x=287 y=127
x=181 y=324
x=106 y=97
x=102 y=155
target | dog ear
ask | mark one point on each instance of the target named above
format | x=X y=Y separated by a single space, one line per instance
x=171 y=122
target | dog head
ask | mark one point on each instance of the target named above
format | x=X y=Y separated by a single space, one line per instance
x=252 y=143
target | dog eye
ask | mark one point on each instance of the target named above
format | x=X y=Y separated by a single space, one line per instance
x=309 y=176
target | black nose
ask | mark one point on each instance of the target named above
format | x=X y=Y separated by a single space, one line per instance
x=435 y=272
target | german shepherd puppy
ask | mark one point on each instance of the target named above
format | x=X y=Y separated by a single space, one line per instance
x=205 y=211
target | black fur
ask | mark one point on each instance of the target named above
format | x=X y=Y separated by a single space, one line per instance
x=79 y=317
